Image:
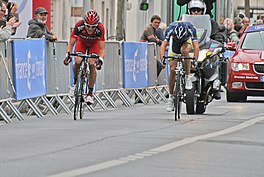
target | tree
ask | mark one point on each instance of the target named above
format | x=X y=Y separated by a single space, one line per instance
x=120 y=20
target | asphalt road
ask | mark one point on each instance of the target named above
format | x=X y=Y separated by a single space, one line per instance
x=140 y=141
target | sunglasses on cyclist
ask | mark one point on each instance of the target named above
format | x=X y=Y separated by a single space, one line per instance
x=196 y=10
x=90 y=26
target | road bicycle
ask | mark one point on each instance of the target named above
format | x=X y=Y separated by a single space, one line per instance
x=82 y=80
x=179 y=92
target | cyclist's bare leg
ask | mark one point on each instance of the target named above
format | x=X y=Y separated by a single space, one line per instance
x=173 y=65
x=76 y=66
x=92 y=76
x=185 y=50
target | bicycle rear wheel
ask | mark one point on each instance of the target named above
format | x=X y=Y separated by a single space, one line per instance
x=78 y=108
x=177 y=97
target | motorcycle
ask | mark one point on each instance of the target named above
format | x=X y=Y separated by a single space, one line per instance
x=208 y=76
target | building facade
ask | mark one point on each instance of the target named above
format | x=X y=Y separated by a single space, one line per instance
x=65 y=13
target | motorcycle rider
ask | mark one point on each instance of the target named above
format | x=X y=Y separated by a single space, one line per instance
x=183 y=38
x=208 y=3
x=198 y=7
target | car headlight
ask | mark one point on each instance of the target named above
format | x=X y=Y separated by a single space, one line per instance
x=240 y=66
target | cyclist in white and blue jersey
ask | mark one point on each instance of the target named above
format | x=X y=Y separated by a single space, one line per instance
x=181 y=37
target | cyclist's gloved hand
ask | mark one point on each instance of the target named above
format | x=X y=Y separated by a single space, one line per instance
x=99 y=63
x=67 y=59
x=194 y=64
x=163 y=61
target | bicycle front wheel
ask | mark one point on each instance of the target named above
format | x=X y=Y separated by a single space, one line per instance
x=177 y=96
x=78 y=92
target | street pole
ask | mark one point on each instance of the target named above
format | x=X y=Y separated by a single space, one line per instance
x=86 y=6
x=247 y=8
x=120 y=20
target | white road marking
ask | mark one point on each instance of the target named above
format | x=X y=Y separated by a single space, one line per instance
x=154 y=151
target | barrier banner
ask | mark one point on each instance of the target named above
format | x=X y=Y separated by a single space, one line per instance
x=29 y=59
x=135 y=56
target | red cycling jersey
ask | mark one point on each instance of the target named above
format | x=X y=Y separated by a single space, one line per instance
x=85 y=40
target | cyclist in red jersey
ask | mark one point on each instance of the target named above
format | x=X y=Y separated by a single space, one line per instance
x=88 y=34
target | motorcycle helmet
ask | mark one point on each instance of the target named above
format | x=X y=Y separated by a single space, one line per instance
x=196 y=4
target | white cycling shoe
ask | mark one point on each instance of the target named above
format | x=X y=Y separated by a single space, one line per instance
x=89 y=99
x=170 y=104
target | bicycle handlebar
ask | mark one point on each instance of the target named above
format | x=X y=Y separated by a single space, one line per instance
x=98 y=62
x=177 y=58
x=84 y=55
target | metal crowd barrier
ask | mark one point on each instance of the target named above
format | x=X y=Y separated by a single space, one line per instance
x=129 y=74
x=7 y=89
x=109 y=82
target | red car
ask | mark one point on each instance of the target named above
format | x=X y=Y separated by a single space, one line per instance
x=246 y=66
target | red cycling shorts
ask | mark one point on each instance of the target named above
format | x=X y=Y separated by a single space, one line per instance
x=82 y=46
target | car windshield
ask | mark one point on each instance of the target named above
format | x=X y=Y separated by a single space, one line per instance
x=254 y=41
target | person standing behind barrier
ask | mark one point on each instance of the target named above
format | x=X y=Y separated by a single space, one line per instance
x=182 y=38
x=161 y=30
x=89 y=34
x=37 y=26
x=231 y=32
x=5 y=27
x=149 y=35
x=11 y=12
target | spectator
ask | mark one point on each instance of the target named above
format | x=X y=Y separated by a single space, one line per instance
x=258 y=22
x=5 y=27
x=241 y=27
x=3 y=11
x=11 y=8
x=231 y=32
x=241 y=15
x=37 y=26
x=246 y=22
x=261 y=17
x=149 y=35
x=160 y=31
x=237 y=23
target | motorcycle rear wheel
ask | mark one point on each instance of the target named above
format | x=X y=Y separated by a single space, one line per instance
x=191 y=100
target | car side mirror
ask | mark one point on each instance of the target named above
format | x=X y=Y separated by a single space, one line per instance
x=231 y=46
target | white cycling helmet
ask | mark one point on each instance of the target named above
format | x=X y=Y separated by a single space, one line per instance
x=196 y=4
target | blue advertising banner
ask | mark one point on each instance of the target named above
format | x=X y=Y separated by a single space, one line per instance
x=29 y=58
x=135 y=56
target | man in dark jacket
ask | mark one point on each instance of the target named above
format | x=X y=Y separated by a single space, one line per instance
x=37 y=26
